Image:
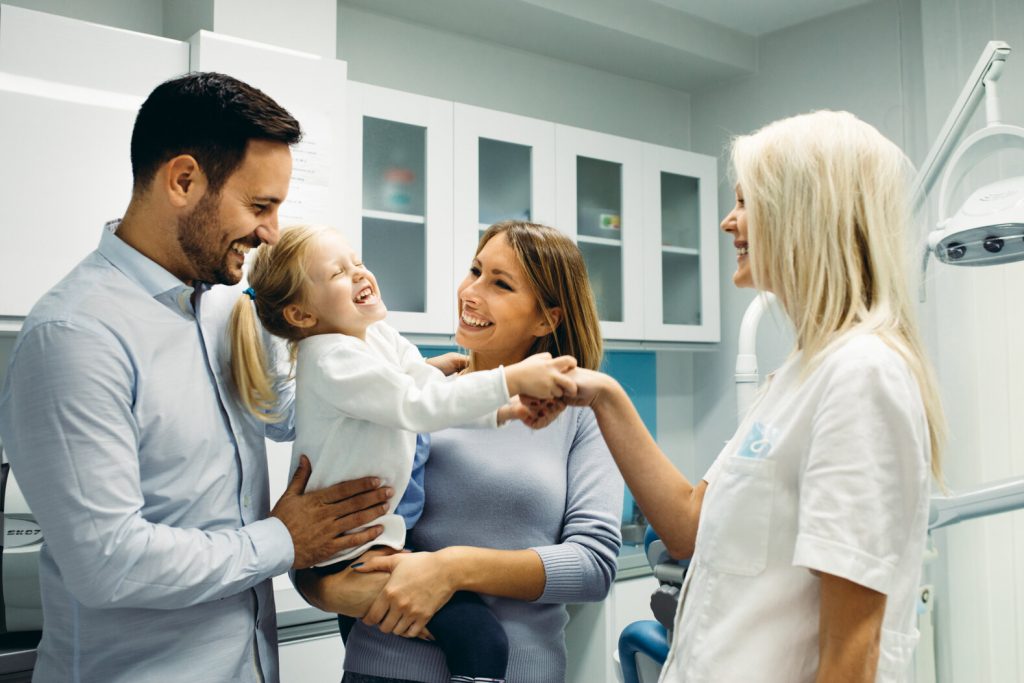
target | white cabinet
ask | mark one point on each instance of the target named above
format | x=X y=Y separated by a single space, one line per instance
x=399 y=184
x=312 y=89
x=680 y=245
x=504 y=169
x=600 y=203
x=427 y=177
x=317 y=659
x=69 y=91
x=592 y=635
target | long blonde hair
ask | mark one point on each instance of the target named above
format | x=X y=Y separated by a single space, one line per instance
x=277 y=277
x=826 y=202
x=557 y=275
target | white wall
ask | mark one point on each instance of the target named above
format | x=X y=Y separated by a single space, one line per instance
x=978 y=335
x=851 y=60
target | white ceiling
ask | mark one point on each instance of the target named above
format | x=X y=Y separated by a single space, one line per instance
x=757 y=17
x=687 y=45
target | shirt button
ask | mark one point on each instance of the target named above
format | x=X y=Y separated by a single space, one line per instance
x=246 y=500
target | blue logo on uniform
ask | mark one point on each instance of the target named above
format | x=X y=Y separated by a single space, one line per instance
x=758 y=442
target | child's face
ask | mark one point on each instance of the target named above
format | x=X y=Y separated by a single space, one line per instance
x=342 y=294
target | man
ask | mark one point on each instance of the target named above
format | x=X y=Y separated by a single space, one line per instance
x=121 y=422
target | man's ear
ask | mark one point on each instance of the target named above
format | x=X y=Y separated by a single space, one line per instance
x=550 y=322
x=297 y=316
x=183 y=181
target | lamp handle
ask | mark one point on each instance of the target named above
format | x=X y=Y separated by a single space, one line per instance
x=977 y=146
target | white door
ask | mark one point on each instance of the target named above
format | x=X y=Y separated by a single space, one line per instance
x=680 y=246
x=600 y=203
x=504 y=169
x=400 y=185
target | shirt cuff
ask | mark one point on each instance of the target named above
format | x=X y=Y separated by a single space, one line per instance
x=563 y=576
x=845 y=562
x=500 y=371
x=275 y=552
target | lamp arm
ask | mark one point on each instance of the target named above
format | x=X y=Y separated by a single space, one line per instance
x=747 y=376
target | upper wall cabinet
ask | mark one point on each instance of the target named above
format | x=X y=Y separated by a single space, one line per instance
x=426 y=177
x=680 y=243
x=600 y=203
x=399 y=185
x=69 y=91
x=504 y=169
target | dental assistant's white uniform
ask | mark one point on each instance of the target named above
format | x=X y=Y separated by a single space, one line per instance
x=829 y=472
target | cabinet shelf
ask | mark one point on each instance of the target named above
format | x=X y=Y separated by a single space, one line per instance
x=607 y=241
x=394 y=217
x=687 y=251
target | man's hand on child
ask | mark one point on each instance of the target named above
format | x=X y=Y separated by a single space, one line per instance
x=449 y=363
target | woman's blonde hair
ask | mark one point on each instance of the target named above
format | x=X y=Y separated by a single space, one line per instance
x=557 y=275
x=826 y=203
x=277 y=276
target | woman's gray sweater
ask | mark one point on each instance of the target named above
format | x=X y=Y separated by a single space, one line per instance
x=555 y=490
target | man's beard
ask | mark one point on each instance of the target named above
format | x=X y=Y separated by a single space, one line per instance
x=198 y=237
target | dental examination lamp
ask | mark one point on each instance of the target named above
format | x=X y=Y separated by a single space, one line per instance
x=989 y=228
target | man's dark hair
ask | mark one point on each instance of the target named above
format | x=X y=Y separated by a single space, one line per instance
x=210 y=116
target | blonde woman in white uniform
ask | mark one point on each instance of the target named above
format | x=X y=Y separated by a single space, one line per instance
x=807 y=532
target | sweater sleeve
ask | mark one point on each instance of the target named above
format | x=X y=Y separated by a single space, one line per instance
x=582 y=566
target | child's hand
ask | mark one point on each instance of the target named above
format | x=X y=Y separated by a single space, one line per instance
x=449 y=363
x=541 y=376
x=513 y=410
x=541 y=411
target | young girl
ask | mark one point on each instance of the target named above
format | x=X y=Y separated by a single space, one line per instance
x=363 y=391
x=528 y=519
x=807 y=532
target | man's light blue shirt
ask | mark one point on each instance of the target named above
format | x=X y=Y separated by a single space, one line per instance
x=147 y=476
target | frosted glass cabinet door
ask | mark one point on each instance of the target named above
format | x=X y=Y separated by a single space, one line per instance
x=504 y=169
x=600 y=203
x=400 y=185
x=680 y=246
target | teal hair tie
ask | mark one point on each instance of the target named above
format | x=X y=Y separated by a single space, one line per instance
x=251 y=292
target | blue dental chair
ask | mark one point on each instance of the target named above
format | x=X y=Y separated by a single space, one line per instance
x=650 y=639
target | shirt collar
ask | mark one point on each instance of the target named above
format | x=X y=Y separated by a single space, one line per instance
x=148 y=274
x=153 y=278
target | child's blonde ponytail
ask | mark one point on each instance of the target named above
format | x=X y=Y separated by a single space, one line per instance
x=249 y=362
x=277 y=275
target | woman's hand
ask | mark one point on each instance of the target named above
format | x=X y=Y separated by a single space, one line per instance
x=348 y=592
x=591 y=387
x=540 y=412
x=542 y=376
x=420 y=584
x=449 y=363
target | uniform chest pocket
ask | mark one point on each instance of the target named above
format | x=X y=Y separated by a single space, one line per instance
x=736 y=518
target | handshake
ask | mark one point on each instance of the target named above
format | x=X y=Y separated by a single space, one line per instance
x=541 y=386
